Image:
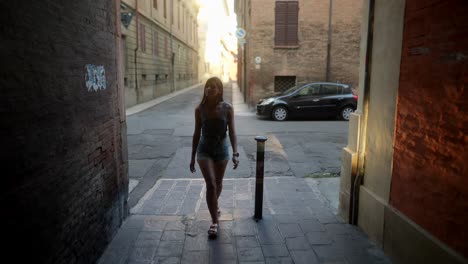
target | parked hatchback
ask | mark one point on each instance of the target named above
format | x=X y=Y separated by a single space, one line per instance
x=310 y=100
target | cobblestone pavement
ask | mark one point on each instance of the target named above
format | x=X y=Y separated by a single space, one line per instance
x=170 y=223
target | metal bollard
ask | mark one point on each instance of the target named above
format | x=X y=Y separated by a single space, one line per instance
x=259 y=176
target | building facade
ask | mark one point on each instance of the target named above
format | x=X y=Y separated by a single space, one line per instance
x=404 y=171
x=290 y=42
x=159 y=47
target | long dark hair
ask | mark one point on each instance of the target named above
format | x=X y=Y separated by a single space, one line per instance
x=211 y=82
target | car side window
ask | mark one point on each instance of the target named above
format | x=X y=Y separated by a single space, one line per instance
x=310 y=90
x=330 y=89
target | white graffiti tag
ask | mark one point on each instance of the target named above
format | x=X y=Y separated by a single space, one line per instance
x=95 y=77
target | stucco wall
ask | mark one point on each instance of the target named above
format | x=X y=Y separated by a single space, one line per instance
x=379 y=126
x=430 y=183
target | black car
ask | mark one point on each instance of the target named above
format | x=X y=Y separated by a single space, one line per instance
x=310 y=100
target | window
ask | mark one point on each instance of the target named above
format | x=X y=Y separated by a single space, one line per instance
x=286 y=23
x=166 y=50
x=142 y=38
x=330 y=89
x=165 y=7
x=155 y=4
x=282 y=83
x=310 y=90
x=156 y=44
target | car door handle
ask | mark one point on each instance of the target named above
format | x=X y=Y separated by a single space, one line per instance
x=316 y=100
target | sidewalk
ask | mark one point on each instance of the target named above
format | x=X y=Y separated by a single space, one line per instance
x=169 y=225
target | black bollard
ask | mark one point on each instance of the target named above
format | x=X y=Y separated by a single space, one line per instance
x=259 y=177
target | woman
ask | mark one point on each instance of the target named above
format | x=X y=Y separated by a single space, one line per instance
x=213 y=117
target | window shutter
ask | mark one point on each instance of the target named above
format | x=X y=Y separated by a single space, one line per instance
x=292 y=23
x=280 y=23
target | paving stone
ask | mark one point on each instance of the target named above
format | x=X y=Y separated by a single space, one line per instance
x=124 y=239
x=290 y=230
x=170 y=249
x=319 y=238
x=279 y=260
x=336 y=229
x=139 y=262
x=226 y=224
x=148 y=239
x=366 y=258
x=247 y=242
x=275 y=251
x=166 y=260
x=250 y=254
x=311 y=225
x=114 y=256
x=196 y=243
x=297 y=243
x=219 y=253
x=244 y=227
x=173 y=235
x=304 y=257
x=336 y=251
x=269 y=235
x=195 y=257
x=175 y=225
x=154 y=225
x=142 y=253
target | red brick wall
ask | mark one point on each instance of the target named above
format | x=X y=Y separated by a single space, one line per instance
x=64 y=182
x=430 y=171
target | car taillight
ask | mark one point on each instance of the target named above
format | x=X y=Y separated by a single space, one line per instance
x=355 y=97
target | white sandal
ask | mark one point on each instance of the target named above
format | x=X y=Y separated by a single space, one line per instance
x=213 y=231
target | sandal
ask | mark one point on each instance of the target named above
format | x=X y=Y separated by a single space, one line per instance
x=213 y=231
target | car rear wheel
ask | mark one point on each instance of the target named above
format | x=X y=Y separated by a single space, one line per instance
x=346 y=112
x=279 y=113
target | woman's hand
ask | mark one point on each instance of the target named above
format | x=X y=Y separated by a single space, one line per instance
x=235 y=160
x=192 y=166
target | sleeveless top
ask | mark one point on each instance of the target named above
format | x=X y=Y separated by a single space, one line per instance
x=214 y=128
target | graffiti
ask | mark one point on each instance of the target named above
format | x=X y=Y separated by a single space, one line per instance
x=95 y=77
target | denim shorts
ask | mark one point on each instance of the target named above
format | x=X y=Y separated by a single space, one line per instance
x=212 y=148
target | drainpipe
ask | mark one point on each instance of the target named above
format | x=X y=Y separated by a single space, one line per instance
x=137 y=21
x=363 y=127
x=330 y=10
x=173 y=88
x=244 y=54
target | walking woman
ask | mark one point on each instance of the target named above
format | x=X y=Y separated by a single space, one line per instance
x=213 y=118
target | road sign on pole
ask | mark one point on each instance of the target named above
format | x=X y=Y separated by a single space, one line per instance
x=240 y=33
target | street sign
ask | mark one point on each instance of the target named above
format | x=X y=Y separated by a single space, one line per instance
x=240 y=33
x=258 y=60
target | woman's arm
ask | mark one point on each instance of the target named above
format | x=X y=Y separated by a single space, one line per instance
x=232 y=135
x=196 y=138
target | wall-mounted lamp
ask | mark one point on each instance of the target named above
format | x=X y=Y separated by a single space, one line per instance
x=126 y=18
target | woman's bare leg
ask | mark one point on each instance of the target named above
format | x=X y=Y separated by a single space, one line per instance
x=207 y=168
x=220 y=168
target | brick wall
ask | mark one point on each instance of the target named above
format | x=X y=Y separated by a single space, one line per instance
x=346 y=37
x=308 y=62
x=65 y=181
x=429 y=182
